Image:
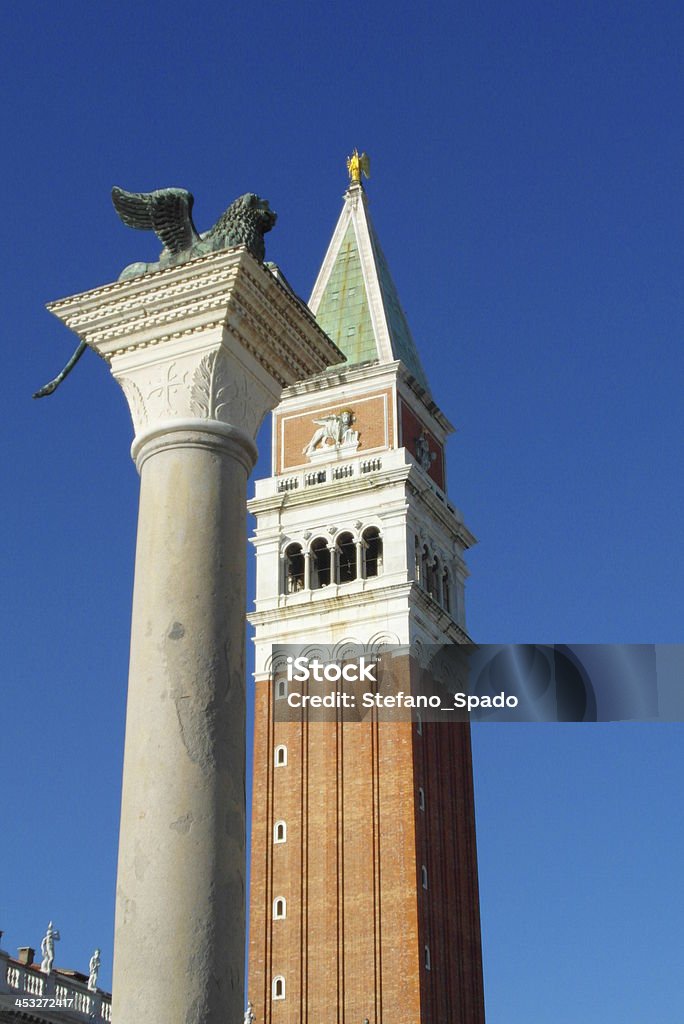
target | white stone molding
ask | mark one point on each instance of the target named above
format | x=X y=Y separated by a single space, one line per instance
x=348 y=648
x=272 y=665
x=383 y=639
x=318 y=534
x=313 y=653
x=194 y=434
x=215 y=339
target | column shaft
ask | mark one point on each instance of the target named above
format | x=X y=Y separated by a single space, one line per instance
x=202 y=352
x=359 y=559
x=180 y=888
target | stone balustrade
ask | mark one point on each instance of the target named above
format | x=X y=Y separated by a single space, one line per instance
x=360 y=466
x=315 y=476
x=25 y=989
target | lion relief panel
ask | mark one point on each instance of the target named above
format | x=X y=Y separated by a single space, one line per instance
x=338 y=430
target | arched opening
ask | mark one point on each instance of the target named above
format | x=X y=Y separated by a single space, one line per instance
x=294 y=569
x=429 y=566
x=278 y=987
x=320 y=563
x=279 y=908
x=423 y=876
x=280 y=756
x=279 y=832
x=346 y=558
x=421 y=798
x=446 y=591
x=436 y=592
x=427 y=958
x=425 y=568
x=372 y=544
x=280 y=689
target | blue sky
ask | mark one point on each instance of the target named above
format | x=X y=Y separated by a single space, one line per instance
x=527 y=189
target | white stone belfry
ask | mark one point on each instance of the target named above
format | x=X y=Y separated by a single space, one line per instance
x=202 y=352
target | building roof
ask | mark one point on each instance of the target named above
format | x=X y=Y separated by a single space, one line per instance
x=354 y=298
x=30 y=996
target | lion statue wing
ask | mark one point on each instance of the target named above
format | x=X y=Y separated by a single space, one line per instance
x=166 y=211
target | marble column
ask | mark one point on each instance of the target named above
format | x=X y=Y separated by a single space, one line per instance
x=202 y=352
x=360 y=546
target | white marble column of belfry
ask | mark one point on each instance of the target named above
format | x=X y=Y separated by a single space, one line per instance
x=202 y=352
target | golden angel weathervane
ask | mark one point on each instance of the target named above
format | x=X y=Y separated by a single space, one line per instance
x=357 y=164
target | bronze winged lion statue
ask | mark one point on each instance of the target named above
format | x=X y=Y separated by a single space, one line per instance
x=168 y=212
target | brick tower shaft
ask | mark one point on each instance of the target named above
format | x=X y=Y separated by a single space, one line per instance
x=364 y=896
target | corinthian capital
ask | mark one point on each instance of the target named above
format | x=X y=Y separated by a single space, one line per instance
x=212 y=341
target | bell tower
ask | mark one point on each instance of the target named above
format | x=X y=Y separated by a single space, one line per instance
x=364 y=898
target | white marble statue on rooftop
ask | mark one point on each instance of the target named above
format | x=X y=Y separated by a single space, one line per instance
x=250 y=1016
x=47 y=948
x=93 y=970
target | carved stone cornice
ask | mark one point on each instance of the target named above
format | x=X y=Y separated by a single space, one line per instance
x=442 y=510
x=215 y=339
x=318 y=606
x=436 y=615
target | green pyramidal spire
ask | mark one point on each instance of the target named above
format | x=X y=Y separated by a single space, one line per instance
x=354 y=298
